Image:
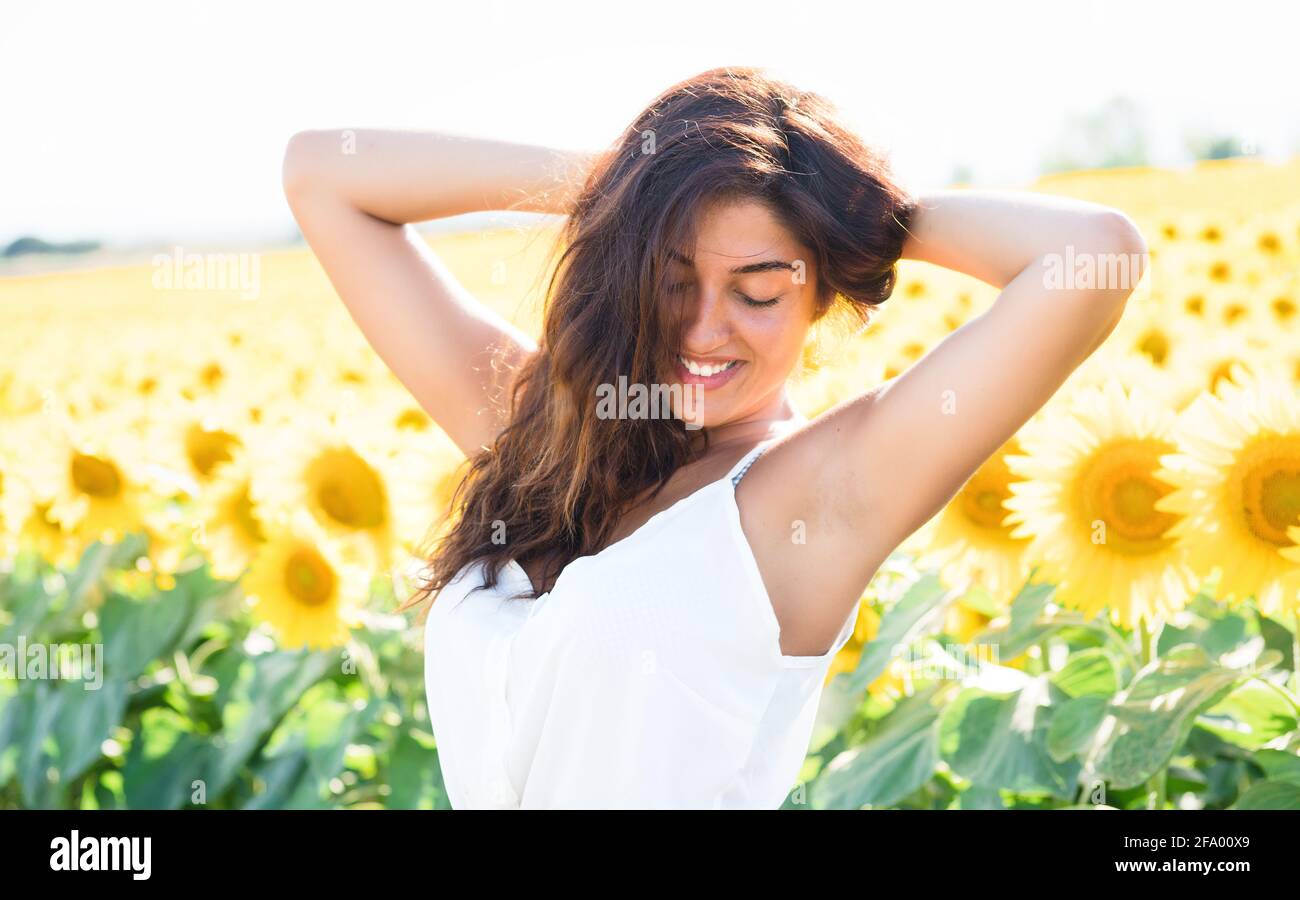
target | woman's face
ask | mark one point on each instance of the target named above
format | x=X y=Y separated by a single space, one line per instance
x=749 y=290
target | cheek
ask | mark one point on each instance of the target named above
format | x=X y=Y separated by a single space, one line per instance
x=777 y=343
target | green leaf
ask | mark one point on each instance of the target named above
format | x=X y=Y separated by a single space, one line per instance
x=979 y=796
x=1251 y=716
x=264 y=689
x=1278 y=765
x=275 y=779
x=88 y=574
x=136 y=632
x=167 y=764
x=1277 y=637
x=39 y=711
x=1270 y=795
x=85 y=720
x=896 y=760
x=1023 y=628
x=1091 y=671
x=1074 y=725
x=915 y=612
x=26 y=604
x=210 y=600
x=319 y=730
x=1151 y=718
x=414 y=775
x=1000 y=740
x=12 y=708
x=1215 y=627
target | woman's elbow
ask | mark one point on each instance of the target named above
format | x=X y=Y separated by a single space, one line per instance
x=295 y=167
x=1119 y=252
x=1121 y=235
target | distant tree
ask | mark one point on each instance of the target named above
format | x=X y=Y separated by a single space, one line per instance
x=24 y=245
x=961 y=174
x=1218 y=146
x=1112 y=135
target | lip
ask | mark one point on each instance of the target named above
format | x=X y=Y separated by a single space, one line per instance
x=710 y=382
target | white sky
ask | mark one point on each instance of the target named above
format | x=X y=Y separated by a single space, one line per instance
x=166 y=120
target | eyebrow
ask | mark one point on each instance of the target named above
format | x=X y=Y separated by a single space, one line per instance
x=767 y=265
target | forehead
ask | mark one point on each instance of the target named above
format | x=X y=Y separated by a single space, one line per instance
x=732 y=231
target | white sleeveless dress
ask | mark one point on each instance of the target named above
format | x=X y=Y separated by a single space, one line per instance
x=649 y=676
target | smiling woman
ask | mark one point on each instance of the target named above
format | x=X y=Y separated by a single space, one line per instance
x=620 y=619
x=726 y=219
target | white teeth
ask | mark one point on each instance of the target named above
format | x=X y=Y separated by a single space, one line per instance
x=706 y=370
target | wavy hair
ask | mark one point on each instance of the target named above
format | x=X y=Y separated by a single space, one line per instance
x=558 y=479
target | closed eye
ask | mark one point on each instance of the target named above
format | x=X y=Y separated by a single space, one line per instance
x=745 y=298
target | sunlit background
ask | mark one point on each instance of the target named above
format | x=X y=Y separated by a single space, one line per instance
x=166 y=120
x=225 y=489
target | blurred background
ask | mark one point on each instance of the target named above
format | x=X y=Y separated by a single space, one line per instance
x=167 y=122
x=213 y=494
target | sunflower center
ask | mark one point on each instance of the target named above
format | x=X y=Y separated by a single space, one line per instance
x=1120 y=489
x=1271 y=490
x=95 y=476
x=348 y=490
x=308 y=577
x=982 y=496
x=207 y=447
x=1155 y=344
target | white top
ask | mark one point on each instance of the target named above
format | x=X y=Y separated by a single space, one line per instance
x=649 y=676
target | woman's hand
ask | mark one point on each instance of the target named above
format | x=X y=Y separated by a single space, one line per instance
x=353 y=193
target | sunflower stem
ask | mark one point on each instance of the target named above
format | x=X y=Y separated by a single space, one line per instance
x=1149 y=640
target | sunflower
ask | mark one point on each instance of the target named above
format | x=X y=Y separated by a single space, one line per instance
x=1216 y=359
x=302 y=587
x=1089 y=499
x=95 y=476
x=1237 y=473
x=227 y=525
x=970 y=544
x=346 y=480
x=200 y=436
x=37 y=529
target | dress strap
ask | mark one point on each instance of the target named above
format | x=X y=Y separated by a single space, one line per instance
x=738 y=471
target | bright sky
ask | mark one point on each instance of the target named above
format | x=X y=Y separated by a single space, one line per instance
x=167 y=120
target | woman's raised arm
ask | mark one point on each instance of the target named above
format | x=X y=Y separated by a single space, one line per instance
x=355 y=192
x=871 y=471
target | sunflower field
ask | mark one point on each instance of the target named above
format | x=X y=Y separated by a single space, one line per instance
x=219 y=497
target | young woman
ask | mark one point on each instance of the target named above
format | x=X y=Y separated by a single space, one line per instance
x=620 y=619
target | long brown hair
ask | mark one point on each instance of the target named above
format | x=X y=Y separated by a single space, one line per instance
x=557 y=480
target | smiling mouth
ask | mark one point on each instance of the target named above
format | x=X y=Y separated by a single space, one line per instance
x=706 y=370
x=708 y=373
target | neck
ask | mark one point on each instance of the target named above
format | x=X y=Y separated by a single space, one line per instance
x=773 y=415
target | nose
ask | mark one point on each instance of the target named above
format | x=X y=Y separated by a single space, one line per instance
x=707 y=326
